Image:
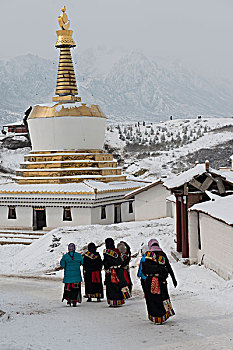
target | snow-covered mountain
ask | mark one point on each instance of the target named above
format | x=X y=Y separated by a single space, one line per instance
x=127 y=85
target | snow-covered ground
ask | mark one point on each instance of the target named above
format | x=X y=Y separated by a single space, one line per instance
x=157 y=147
x=42 y=256
x=35 y=318
x=12 y=158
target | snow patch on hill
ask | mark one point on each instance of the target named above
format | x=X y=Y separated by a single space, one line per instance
x=153 y=150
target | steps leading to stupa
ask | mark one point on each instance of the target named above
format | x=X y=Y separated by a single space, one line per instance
x=19 y=236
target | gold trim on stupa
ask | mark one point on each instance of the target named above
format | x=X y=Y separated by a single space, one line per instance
x=66 y=89
x=68 y=167
x=59 y=110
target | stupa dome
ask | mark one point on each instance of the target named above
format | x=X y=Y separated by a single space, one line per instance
x=66 y=126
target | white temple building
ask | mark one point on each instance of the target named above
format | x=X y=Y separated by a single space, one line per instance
x=67 y=178
x=150 y=201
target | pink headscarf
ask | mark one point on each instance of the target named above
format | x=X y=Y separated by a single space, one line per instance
x=153 y=245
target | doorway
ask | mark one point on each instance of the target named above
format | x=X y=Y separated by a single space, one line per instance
x=117 y=213
x=39 y=218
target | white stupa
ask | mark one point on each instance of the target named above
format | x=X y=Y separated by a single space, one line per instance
x=67 y=178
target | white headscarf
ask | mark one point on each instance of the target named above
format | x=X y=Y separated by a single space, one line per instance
x=144 y=248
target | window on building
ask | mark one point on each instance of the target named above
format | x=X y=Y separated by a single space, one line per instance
x=103 y=212
x=11 y=213
x=198 y=230
x=67 y=214
x=130 y=207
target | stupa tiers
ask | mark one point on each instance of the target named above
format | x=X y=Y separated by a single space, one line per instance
x=67 y=178
x=68 y=136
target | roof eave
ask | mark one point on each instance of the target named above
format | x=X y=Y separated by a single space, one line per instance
x=142 y=189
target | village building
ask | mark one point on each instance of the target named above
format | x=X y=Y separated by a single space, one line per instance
x=191 y=187
x=67 y=179
x=227 y=168
x=150 y=201
x=211 y=235
x=200 y=200
x=17 y=127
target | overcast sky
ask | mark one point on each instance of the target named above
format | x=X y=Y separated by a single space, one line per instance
x=197 y=31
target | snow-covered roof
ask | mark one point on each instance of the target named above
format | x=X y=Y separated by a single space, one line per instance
x=103 y=187
x=75 y=188
x=143 y=188
x=65 y=169
x=220 y=208
x=212 y=196
x=86 y=187
x=17 y=123
x=171 y=198
x=198 y=170
x=59 y=153
x=60 y=105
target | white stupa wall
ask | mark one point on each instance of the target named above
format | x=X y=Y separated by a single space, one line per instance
x=67 y=133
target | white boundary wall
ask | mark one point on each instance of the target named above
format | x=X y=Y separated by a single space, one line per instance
x=216 y=244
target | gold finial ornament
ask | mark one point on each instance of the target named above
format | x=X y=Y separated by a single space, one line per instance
x=64 y=36
x=63 y=20
x=66 y=82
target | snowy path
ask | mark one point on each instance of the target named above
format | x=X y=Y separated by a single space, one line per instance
x=35 y=319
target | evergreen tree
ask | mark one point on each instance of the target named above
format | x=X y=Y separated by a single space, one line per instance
x=128 y=136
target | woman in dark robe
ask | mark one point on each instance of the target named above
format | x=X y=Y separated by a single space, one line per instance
x=125 y=251
x=92 y=266
x=116 y=285
x=71 y=263
x=156 y=268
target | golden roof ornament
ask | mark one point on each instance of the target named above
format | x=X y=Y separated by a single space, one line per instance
x=63 y=20
x=64 y=36
x=66 y=82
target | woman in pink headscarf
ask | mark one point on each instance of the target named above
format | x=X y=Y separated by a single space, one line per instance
x=156 y=268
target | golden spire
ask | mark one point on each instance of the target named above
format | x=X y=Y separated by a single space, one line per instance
x=66 y=82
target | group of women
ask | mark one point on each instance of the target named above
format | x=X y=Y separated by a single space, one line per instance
x=117 y=277
x=154 y=269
